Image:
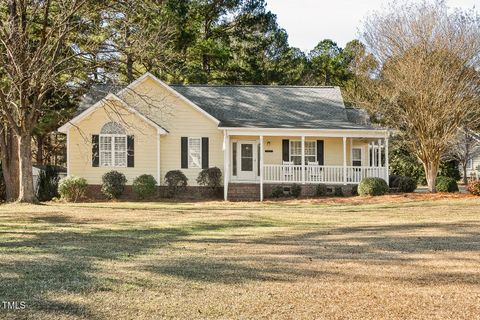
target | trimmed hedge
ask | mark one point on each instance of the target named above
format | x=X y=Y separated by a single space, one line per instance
x=403 y=184
x=144 y=186
x=474 y=187
x=113 y=184
x=372 y=187
x=296 y=190
x=338 y=191
x=211 y=177
x=321 y=190
x=72 y=188
x=446 y=184
x=277 y=192
x=354 y=190
x=176 y=182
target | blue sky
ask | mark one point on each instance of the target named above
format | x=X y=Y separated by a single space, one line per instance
x=309 y=21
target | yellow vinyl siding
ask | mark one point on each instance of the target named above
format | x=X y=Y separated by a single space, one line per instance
x=180 y=120
x=80 y=144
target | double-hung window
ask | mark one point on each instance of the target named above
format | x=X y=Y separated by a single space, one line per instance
x=470 y=164
x=296 y=151
x=356 y=157
x=113 y=150
x=113 y=146
x=194 y=152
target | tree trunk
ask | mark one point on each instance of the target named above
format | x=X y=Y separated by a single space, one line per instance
x=129 y=67
x=465 y=178
x=431 y=171
x=26 y=192
x=9 y=156
x=39 y=155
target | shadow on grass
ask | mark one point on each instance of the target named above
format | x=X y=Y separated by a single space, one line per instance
x=56 y=260
x=287 y=258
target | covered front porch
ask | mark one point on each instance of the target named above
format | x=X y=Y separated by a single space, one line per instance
x=332 y=157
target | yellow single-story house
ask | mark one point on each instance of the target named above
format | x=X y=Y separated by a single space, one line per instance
x=259 y=136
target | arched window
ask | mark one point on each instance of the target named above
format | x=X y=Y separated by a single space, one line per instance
x=113 y=145
x=112 y=128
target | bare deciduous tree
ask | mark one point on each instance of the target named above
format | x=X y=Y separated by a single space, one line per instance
x=41 y=47
x=427 y=82
x=464 y=149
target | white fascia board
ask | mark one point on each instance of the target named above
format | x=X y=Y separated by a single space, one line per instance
x=110 y=96
x=170 y=90
x=353 y=133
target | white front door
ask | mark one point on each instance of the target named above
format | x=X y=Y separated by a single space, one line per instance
x=247 y=160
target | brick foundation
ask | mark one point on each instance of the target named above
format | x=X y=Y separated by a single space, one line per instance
x=94 y=192
x=251 y=191
x=236 y=192
x=308 y=190
x=244 y=192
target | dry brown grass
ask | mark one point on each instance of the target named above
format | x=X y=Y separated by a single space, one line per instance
x=388 y=257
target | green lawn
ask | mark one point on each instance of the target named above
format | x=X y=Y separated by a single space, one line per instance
x=285 y=260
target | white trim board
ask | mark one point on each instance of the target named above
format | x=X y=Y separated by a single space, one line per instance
x=281 y=132
x=101 y=103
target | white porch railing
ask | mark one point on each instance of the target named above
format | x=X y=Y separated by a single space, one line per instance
x=320 y=174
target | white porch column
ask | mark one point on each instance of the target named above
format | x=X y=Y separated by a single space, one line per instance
x=379 y=153
x=303 y=159
x=226 y=163
x=371 y=157
x=351 y=151
x=68 y=151
x=158 y=159
x=344 y=160
x=261 y=168
x=387 y=173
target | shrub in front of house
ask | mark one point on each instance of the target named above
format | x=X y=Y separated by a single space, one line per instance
x=48 y=183
x=446 y=184
x=277 y=192
x=113 y=184
x=211 y=177
x=372 y=187
x=403 y=184
x=392 y=180
x=474 y=187
x=176 y=182
x=354 y=190
x=321 y=190
x=72 y=188
x=338 y=191
x=144 y=186
x=296 y=190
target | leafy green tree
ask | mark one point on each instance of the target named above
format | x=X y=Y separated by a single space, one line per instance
x=328 y=65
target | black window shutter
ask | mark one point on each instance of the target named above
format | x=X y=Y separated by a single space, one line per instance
x=204 y=153
x=130 y=151
x=184 y=154
x=320 y=156
x=286 y=150
x=95 y=151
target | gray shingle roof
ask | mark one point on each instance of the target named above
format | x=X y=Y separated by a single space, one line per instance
x=96 y=93
x=274 y=106
x=253 y=106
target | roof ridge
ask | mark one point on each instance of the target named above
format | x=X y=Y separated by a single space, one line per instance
x=251 y=85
